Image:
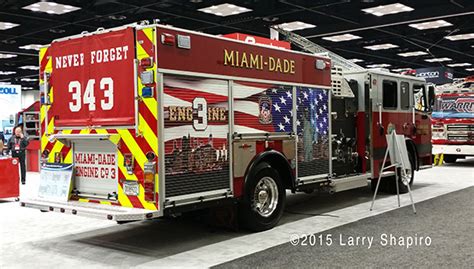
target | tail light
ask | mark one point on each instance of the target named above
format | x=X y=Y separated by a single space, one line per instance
x=149 y=177
x=146 y=62
x=147 y=77
x=128 y=162
x=44 y=156
x=58 y=157
x=168 y=39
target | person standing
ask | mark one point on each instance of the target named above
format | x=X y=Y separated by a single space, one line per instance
x=17 y=145
x=2 y=143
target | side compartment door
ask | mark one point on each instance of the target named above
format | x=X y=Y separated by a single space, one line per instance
x=196 y=138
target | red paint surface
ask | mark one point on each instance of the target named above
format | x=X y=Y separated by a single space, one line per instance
x=32 y=155
x=259 y=40
x=120 y=71
x=238 y=184
x=207 y=56
x=9 y=178
x=361 y=139
x=403 y=125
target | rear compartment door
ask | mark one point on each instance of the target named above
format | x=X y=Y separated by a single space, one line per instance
x=96 y=173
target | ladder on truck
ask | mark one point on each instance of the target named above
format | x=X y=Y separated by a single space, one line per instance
x=340 y=87
x=309 y=46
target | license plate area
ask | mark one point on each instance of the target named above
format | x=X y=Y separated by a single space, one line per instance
x=131 y=188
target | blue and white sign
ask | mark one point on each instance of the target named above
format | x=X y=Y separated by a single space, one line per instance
x=55 y=182
x=10 y=100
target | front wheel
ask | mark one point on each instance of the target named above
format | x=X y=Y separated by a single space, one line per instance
x=264 y=199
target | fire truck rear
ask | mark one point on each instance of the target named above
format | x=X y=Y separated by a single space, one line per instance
x=453 y=120
x=158 y=120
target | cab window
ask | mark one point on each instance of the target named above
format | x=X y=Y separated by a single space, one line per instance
x=419 y=94
x=390 y=96
x=404 y=95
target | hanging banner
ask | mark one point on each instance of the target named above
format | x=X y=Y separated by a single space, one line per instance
x=10 y=100
x=436 y=75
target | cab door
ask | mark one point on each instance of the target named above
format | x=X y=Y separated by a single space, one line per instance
x=406 y=111
x=386 y=115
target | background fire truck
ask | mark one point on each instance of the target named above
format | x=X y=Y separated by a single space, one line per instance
x=453 y=120
x=158 y=120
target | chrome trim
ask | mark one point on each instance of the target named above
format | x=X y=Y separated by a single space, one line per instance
x=330 y=131
x=135 y=94
x=197 y=197
x=161 y=145
x=230 y=142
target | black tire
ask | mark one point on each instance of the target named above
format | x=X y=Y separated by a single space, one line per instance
x=249 y=216
x=403 y=188
x=450 y=158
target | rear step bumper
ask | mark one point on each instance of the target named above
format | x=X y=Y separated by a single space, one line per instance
x=100 y=211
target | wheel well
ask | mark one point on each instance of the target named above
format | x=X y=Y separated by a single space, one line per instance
x=412 y=150
x=277 y=161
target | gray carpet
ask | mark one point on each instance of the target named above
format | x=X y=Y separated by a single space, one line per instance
x=448 y=220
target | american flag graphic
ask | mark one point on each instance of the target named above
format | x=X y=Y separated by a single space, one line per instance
x=315 y=102
x=312 y=107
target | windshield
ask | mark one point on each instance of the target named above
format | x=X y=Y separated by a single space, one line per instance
x=454 y=107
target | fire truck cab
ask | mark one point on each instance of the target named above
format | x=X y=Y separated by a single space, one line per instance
x=157 y=120
x=453 y=120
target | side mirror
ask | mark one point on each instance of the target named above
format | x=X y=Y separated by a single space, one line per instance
x=431 y=96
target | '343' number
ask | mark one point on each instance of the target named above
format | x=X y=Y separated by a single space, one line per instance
x=106 y=85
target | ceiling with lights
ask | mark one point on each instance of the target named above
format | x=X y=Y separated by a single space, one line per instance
x=396 y=35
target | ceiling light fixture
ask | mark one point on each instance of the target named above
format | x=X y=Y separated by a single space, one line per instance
x=29 y=79
x=399 y=70
x=295 y=26
x=117 y=17
x=51 y=8
x=378 y=65
x=31 y=47
x=340 y=38
x=7 y=55
x=224 y=10
x=459 y=64
x=356 y=60
x=469 y=69
x=7 y=72
x=57 y=30
x=381 y=46
x=437 y=60
x=7 y=25
x=430 y=25
x=388 y=9
x=29 y=67
x=412 y=53
x=460 y=37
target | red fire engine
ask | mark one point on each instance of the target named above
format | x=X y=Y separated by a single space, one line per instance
x=453 y=120
x=158 y=120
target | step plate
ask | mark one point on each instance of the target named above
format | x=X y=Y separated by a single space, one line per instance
x=93 y=210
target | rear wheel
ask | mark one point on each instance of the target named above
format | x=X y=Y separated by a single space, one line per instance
x=264 y=199
x=450 y=158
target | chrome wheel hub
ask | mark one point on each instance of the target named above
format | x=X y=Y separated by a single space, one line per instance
x=265 y=198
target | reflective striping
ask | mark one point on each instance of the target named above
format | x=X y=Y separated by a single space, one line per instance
x=125 y=139
x=123 y=172
x=150 y=103
x=133 y=146
x=149 y=135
